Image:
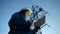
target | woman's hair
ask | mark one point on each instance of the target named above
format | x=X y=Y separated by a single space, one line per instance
x=24 y=10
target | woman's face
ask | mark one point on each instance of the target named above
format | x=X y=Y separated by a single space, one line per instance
x=27 y=14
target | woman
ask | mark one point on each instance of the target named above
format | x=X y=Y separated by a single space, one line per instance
x=18 y=24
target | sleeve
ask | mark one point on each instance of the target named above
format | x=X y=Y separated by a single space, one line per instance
x=22 y=23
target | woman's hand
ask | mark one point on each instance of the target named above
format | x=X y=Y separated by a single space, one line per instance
x=33 y=21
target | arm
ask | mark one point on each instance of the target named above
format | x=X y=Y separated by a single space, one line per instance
x=17 y=23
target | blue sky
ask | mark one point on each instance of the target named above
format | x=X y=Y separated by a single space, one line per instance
x=8 y=7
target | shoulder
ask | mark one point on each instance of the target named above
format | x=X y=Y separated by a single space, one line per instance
x=17 y=15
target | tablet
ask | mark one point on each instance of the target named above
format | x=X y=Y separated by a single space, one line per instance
x=40 y=21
